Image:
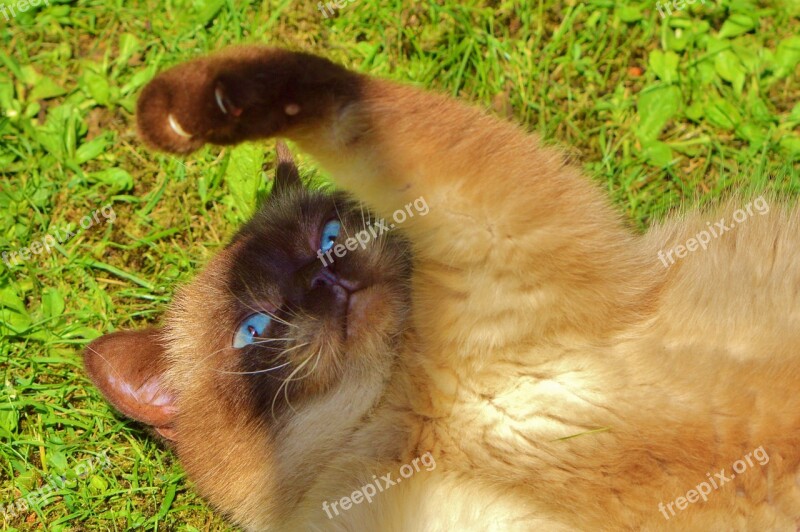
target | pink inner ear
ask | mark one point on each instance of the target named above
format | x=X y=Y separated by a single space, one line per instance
x=128 y=368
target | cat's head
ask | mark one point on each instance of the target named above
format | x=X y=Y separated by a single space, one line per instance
x=272 y=355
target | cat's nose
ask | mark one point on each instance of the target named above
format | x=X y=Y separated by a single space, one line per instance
x=327 y=277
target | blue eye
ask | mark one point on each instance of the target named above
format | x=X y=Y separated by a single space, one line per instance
x=252 y=326
x=329 y=234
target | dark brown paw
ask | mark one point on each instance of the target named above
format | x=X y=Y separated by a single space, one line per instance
x=193 y=103
x=239 y=94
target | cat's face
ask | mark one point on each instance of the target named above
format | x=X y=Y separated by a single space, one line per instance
x=271 y=354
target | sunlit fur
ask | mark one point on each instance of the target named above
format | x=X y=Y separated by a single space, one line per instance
x=561 y=375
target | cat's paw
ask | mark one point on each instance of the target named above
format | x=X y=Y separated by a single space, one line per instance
x=166 y=113
x=201 y=101
x=240 y=94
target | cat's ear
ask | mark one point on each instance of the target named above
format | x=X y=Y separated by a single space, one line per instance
x=287 y=176
x=128 y=367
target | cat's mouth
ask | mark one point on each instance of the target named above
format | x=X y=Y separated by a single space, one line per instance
x=359 y=313
x=356 y=315
x=357 y=309
x=348 y=300
x=351 y=310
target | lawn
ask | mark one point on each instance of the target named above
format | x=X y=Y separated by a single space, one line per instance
x=661 y=112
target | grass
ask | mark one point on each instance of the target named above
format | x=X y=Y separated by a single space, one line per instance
x=660 y=112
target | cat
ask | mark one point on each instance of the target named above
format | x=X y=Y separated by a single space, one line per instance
x=557 y=371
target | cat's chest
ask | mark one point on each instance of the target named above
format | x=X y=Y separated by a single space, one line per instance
x=504 y=415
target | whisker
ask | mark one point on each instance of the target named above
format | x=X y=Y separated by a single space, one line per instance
x=214 y=353
x=256 y=310
x=242 y=301
x=308 y=373
x=256 y=371
x=336 y=207
x=298 y=346
x=263 y=341
x=284 y=385
x=279 y=320
x=306 y=315
x=316 y=363
x=291 y=313
x=337 y=363
x=294 y=314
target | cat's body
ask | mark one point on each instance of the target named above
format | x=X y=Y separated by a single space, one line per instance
x=558 y=372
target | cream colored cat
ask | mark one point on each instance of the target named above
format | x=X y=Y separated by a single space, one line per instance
x=556 y=371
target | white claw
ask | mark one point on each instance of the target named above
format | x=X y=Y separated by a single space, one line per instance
x=220 y=103
x=176 y=127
